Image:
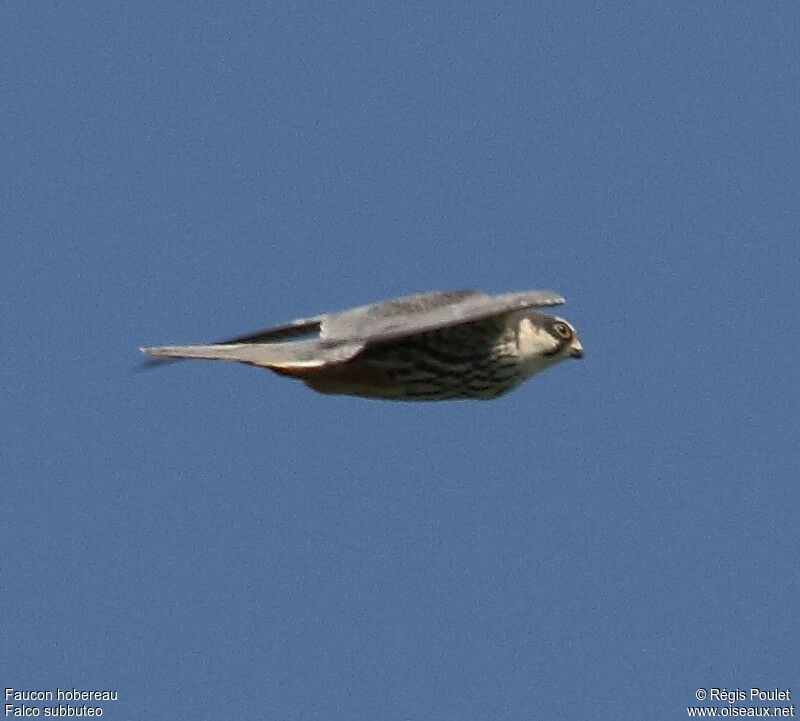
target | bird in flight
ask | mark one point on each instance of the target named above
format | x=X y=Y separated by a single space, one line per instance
x=428 y=346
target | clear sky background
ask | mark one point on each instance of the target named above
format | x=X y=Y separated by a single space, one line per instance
x=213 y=541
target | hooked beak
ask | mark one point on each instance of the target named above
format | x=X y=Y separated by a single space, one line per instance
x=576 y=350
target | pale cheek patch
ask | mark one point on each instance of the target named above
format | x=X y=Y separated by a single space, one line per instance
x=534 y=341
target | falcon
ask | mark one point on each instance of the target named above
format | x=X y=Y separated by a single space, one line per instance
x=427 y=346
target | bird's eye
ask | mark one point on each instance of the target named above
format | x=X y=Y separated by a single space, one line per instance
x=563 y=330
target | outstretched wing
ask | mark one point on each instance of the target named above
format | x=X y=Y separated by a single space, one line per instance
x=424 y=312
x=293 y=329
x=333 y=326
x=345 y=334
x=348 y=323
x=291 y=354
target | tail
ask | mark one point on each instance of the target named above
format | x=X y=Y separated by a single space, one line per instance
x=287 y=356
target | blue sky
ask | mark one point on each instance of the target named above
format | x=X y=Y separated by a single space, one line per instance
x=212 y=541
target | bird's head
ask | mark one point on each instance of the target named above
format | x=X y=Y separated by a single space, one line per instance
x=546 y=339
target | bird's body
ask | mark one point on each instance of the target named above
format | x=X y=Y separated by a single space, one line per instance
x=428 y=346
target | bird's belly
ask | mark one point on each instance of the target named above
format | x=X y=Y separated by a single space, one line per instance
x=422 y=372
x=475 y=361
